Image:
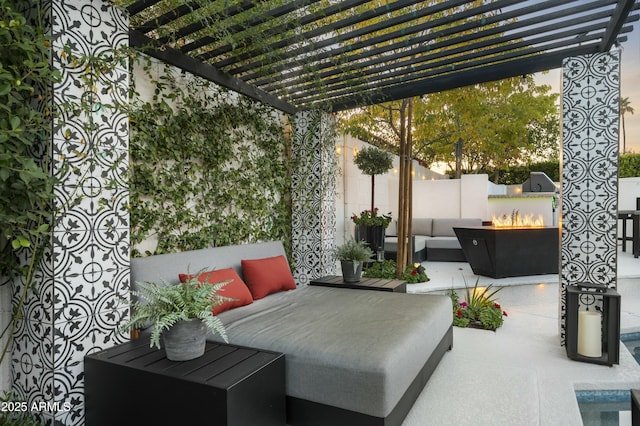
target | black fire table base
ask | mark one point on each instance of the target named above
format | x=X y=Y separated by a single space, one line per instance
x=510 y=252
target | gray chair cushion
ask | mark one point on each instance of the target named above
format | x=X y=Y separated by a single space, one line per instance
x=392 y=229
x=443 y=243
x=420 y=242
x=444 y=227
x=422 y=226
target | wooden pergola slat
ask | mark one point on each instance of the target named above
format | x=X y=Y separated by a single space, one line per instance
x=275 y=13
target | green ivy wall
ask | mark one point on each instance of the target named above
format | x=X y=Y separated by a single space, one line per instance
x=208 y=168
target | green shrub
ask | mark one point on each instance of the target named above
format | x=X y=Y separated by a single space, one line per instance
x=387 y=270
x=629 y=165
x=518 y=174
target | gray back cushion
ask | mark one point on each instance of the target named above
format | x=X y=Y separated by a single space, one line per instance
x=392 y=229
x=167 y=266
x=444 y=227
x=421 y=226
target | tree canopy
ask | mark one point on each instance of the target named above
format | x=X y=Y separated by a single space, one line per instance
x=499 y=124
x=373 y=161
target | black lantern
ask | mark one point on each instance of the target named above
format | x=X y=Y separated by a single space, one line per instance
x=635 y=406
x=592 y=330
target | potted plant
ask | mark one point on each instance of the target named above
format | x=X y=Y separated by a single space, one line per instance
x=352 y=254
x=479 y=310
x=181 y=313
x=369 y=226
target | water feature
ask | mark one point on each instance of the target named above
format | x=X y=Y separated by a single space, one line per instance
x=609 y=407
x=632 y=342
x=605 y=407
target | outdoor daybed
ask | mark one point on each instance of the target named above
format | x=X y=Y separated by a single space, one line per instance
x=352 y=357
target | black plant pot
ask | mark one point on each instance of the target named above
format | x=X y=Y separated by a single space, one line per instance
x=185 y=340
x=373 y=235
x=351 y=271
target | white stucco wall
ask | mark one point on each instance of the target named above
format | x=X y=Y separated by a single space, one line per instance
x=437 y=198
x=525 y=205
x=465 y=197
x=628 y=191
x=474 y=190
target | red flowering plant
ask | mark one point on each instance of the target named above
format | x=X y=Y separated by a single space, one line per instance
x=372 y=218
x=478 y=310
x=415 y=274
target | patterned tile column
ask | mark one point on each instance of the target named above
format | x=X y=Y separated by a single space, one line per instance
x=313 y=195
x=77 y=304
x=591 y=91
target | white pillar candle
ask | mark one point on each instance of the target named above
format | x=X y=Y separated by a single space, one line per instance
x=590 y=333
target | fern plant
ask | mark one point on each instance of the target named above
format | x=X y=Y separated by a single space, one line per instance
x=352 y=250
x=167 y=304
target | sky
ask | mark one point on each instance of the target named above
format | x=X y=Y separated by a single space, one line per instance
x=629 y=86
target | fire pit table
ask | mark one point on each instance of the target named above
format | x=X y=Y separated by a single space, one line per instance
x=500 y=252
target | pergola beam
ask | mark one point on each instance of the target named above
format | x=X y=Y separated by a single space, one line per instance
x=383 y=76
x=620 y=16
x=203 y=23
x=140 y=5
x=398 y=46
x=533 y=64
x=168 y=17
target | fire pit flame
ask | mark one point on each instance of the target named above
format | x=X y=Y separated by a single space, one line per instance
x=515 y=220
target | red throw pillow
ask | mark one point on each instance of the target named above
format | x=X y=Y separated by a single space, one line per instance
x=267 y=276
x=236 y=289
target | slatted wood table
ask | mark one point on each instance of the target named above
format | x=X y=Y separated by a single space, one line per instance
x=228 y=385
x=380 y=284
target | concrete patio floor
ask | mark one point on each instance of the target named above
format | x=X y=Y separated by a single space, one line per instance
x=519 y=375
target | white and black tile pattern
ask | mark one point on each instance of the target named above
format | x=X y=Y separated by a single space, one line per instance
x=77 y=303
x=313 y=195
x=591 y=90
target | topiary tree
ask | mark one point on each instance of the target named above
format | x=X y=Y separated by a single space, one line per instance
x=373 y=161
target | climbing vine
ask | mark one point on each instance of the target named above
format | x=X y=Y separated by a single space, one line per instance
x=26 y=189
x=208 y=168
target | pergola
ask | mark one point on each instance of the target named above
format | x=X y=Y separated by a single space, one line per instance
x=294 y=54
x=343 y=54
